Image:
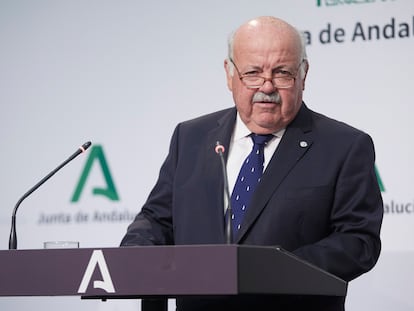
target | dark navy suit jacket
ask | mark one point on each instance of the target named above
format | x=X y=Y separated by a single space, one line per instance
x=318 y=198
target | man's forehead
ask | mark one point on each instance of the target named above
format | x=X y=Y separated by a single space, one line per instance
x=265 y=39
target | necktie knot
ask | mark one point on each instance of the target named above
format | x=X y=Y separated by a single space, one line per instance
x=261 y=140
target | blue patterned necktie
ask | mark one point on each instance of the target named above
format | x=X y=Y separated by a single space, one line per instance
x=249 y=177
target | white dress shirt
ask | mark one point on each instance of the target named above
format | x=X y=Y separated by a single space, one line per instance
x=240 y=147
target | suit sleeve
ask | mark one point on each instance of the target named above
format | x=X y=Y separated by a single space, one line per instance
x=354 y=245
x=153 y=224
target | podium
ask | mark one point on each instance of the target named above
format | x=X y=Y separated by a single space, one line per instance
x=162 y=272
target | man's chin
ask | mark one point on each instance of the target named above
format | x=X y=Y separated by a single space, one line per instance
x=265 y=125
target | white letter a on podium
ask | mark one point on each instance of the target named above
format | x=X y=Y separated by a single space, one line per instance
x=97 y=259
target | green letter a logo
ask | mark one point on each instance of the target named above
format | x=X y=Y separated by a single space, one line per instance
x=96 y=153
x=380 y=183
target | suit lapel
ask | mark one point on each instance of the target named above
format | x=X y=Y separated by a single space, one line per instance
x=296 y=141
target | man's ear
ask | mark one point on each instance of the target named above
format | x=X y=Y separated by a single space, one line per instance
x=306 y=68
x=228 y=68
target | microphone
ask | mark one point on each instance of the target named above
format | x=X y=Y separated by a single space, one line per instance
x=13 y=237
x=227 y=202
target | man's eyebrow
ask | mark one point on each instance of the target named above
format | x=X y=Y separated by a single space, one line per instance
x=282 y=67
x=253 y=67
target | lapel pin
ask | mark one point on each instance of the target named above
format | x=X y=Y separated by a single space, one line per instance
x=303 y=144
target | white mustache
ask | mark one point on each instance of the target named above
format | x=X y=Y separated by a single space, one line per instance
x=267 y=98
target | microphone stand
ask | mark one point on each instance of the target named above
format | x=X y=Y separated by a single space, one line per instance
x=13 y=236
x=227 y=201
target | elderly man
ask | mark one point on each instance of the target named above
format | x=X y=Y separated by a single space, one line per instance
x=309 y=185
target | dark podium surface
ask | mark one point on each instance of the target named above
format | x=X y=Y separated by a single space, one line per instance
x=162 y=271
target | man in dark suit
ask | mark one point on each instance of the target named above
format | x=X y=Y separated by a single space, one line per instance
x=318 y=196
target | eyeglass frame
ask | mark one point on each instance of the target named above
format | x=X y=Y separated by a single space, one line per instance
x=290 y=76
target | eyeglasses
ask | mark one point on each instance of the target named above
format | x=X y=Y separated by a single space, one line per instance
x=281 y=80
